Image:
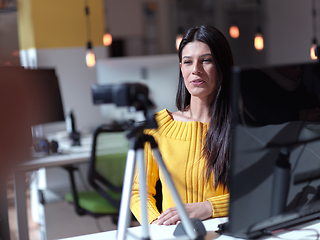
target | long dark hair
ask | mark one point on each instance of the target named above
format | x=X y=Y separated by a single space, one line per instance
x=216 y=147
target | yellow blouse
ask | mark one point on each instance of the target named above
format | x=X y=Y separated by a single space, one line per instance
x=180 y=144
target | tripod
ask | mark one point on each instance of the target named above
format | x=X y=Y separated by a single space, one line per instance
x=136 y=95
x=136 y=155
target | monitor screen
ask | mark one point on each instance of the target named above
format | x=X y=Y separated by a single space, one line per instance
x=275 y=156
x=44 y=95
x=41 y=90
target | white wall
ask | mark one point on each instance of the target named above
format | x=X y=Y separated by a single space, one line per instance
x=289 y=30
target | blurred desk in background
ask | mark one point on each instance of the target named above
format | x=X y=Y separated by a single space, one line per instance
x=67 y=155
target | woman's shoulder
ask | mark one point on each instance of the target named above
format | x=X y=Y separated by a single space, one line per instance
x=166 y=125
x=170 y=127
x=163 y=117
x=164 y=113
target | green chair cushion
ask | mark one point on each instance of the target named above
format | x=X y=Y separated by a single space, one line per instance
x=112 y=166
x=94 y=202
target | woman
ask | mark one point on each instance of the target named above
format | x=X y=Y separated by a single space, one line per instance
x=194 y=141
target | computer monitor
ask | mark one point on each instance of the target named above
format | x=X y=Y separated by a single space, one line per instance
x=29 y=97
x=38 y=91
x=41 y=93
x=275 y=149
x=44 y=95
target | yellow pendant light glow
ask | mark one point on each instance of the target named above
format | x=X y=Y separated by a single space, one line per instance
x=258 y=41
x=313 y=49
x=313 y=54
x=179 y=38
x=90 y=57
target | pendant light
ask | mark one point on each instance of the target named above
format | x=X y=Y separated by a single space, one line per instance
x=234 y=31
x=313 y=53
x=258 y=39
x=179 y=35
x=107 y=37
x=90 y=57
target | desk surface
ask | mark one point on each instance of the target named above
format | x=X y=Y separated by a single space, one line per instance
x=308 y=232
x=68 y=154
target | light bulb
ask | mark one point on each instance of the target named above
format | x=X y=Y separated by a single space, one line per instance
x=178 y=40
x=313 y=52
x=90 y=58
x=258 y=41
x=107 y=39
x=234 y=31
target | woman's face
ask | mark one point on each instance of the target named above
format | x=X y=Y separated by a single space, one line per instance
x=199 y=71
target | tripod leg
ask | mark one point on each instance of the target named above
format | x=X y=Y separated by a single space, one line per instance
x=143 y=194
x=124 y=215
x=186 y=222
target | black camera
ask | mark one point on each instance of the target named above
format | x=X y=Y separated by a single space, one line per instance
x=126 y=94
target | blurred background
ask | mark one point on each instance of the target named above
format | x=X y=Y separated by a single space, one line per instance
x=55 y=34
x=112 y=41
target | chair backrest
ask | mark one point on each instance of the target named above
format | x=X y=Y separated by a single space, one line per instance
x=108 y=159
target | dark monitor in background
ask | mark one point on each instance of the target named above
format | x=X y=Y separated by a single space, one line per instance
x=41 y=93
x=275 y=156
x=28 y=97
x=45 y=97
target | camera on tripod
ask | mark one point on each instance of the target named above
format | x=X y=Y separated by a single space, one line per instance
x=126 y=94
x=136 y=95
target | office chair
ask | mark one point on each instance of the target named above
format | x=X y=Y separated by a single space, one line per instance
x=105 y=174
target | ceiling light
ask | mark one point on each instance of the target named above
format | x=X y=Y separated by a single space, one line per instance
x=90 y=57
x=313 y=54
x=234 y=31
x=179 y=37
x=258 y=40
x=107 y=39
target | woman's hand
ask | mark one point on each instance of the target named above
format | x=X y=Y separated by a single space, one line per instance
x=201 y=210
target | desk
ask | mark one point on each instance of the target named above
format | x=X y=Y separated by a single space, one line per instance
x=166 y=232
x=70 y=155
